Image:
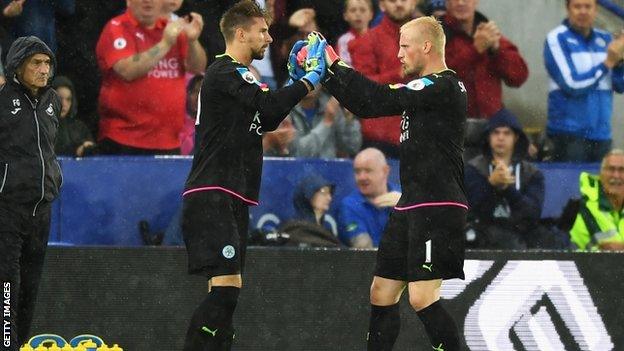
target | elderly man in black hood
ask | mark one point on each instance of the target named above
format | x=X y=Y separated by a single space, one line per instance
x=505 y=191
x=30 y=178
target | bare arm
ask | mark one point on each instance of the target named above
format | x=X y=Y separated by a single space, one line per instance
x=196 y=59
x=137 y=65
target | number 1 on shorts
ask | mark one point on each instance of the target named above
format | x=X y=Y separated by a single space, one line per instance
x=428 y=251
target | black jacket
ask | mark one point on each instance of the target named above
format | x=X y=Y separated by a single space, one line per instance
x=433 y=124
x=29 y=172
x=234 y=110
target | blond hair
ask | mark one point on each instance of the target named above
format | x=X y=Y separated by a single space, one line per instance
x=613 y=152
x=429 y=28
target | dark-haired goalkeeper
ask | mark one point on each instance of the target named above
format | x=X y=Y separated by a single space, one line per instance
x=423 y=242
x=234 y=110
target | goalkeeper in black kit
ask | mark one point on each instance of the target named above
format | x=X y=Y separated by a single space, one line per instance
x=234 y=110
x=423 y=242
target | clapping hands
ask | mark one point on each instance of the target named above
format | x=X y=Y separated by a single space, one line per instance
x=487 y=37
x=192 y=26
x=615 y=51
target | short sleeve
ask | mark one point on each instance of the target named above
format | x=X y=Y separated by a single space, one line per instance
x=114 y=45
x=351 y=222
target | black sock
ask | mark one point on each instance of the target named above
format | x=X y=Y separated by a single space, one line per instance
x=440 y=327
x=211 y=326
x=385 y=323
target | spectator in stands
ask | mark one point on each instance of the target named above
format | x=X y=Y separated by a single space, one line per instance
x=187 y=135
x=36 y=17
x=323 y=129
x=73 y=138
x=310 y=226
x=505 y=191
x=143 y=59
x=375 y=56
x=481 y=56
x=358 y=14
x=599 y=224
x=312 y=199
x=364 y=212
x=585 y=67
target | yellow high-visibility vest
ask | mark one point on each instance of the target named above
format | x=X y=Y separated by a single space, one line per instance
x=597 y=221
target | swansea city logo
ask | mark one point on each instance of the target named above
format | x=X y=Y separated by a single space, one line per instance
x=228 y=251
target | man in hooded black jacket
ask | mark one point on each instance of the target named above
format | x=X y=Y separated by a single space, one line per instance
x=30 y=178
x=505 y=191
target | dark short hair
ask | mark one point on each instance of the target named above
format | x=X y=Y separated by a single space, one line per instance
x=240 y=15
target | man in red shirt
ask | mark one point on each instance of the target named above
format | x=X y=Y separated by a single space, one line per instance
x=143 y=59
x=481 y=56
x=375 y=56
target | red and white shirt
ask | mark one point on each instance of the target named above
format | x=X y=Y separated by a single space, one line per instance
x=342 y=45
x=147 y=112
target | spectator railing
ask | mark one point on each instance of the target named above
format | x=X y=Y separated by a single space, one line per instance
x=104 y=198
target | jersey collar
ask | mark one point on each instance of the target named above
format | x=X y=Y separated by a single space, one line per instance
x=160 y=22
x=226 y=55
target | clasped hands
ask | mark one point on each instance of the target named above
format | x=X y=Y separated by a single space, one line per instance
x=501 y=177
x=310 y=58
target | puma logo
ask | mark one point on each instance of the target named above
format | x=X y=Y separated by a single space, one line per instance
x=429 y=268
x=211 y=332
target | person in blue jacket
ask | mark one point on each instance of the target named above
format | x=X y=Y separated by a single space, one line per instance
x=585 y=65
x=365 y=211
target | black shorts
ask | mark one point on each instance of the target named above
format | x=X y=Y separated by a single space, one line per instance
x=423 y=244
x=214 y=227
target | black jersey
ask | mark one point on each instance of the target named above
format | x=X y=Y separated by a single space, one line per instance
x=433 y=112
x=234 y=109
